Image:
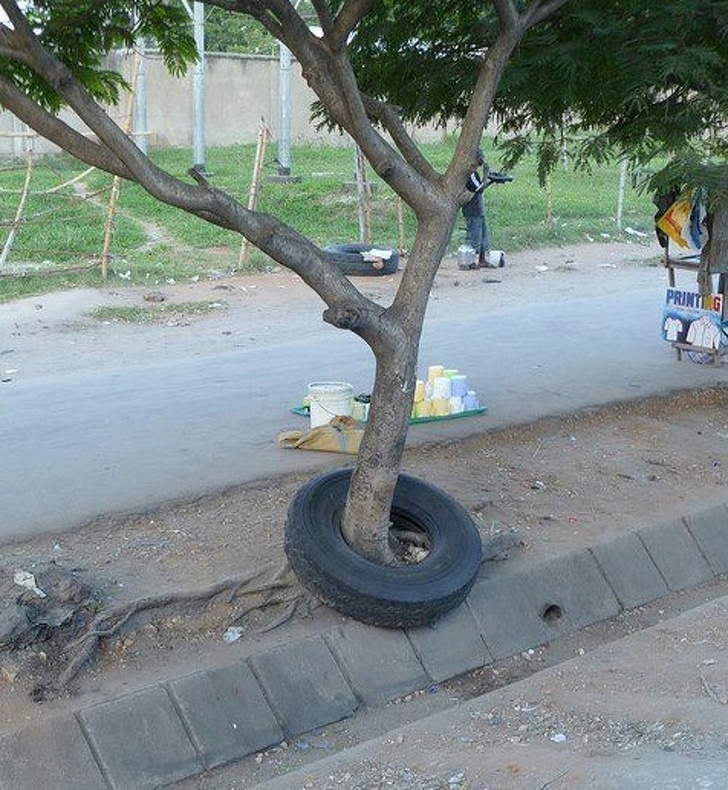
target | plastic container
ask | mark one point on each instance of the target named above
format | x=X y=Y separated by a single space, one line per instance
x=328 y=399
x=467 y=257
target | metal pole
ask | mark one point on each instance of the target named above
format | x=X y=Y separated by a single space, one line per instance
x=620 y=192
x=284 y=110
x=140 y=102
x=198 y=89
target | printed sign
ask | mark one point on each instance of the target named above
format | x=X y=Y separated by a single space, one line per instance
x=691 y=318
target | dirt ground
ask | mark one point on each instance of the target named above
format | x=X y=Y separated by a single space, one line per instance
x=559 y=483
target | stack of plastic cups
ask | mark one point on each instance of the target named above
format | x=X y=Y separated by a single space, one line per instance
x=458 y=390
x=444 y=392
x=441 y=392
x=421 y=406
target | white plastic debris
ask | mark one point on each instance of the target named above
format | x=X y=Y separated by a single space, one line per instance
x=27 y=580
x=376 y=254
x=232 y=634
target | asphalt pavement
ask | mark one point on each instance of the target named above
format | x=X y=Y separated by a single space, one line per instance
x=120 y=441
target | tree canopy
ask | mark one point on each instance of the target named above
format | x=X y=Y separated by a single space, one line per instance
x=632 y=79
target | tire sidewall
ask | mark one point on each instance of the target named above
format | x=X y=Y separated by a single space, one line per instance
x=380 y=594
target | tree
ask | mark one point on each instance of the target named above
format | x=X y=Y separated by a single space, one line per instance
x=364 y=68
x=51 y=53
x=236 y=33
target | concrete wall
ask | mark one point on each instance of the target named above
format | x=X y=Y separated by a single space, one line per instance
x=240 y=91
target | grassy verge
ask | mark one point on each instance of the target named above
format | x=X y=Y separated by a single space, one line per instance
x=65 y=217
x=155 y=313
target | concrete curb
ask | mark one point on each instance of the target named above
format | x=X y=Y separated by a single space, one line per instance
x=182 y=727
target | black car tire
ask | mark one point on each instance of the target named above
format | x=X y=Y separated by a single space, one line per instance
x=398 y=596
x=349 y=258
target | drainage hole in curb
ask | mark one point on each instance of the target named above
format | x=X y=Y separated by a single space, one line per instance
x=552 y=613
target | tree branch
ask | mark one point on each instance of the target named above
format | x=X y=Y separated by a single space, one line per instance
x=326 y=68
x=271 y=235
x=324 y=16
x=59 y=132
x=390 y=119
x=481 y=104
x=351 y=13
x=507 y=13
x=539 y=10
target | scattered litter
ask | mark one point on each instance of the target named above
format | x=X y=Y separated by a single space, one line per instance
x=559 y=737
x=232 y=634
x=633 y=232
x=27 y=580
x=541 y=267
x=375 y=254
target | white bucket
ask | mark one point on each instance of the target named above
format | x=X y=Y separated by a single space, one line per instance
x=497 y=258
x=329 y=399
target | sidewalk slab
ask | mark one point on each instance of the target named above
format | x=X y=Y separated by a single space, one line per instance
x=379 y=663
x=631 y=573
x=572 y=587
x=139 y=741
x=450 y=646
x=676 y=554
x=507 y=619
x=304 y=685
x=710 y=530
x=52 y=755
x=225 y=713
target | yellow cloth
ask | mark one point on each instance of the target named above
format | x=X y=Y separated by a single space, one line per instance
x=340 y=435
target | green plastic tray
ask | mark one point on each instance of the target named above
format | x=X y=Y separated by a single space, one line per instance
x=303 y=411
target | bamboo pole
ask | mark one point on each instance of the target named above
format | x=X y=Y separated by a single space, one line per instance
x=21 y=205
x=400 y=224
x=549 y=195
x=364 y=193
x=116 y=183
x=263 y=135
x=70 y=181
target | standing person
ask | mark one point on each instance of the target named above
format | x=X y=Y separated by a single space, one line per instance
x=476 y=226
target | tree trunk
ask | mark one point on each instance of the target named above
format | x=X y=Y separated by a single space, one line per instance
x=366 y=518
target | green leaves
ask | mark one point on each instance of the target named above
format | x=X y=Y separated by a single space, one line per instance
x=82 y=32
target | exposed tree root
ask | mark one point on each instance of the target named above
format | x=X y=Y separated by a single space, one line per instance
x=111 y=621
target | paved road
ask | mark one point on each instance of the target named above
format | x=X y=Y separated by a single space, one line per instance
x=80 y=445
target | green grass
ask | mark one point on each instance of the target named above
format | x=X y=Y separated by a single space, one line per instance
x=62 y=231
x=154 y=313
